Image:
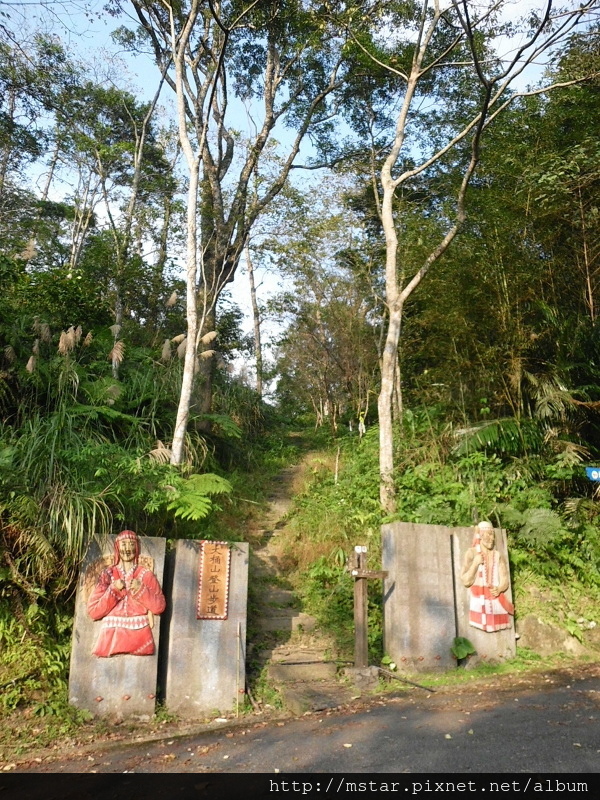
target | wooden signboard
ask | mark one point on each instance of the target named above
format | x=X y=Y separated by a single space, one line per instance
x=213 y=580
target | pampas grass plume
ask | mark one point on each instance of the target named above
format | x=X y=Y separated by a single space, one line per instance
x=172 y=300
x=117 y=354
x=166 y=351
x=65 y=343
x=209 y=337
x=9 y=354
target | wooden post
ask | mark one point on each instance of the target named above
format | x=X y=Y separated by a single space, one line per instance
x=360 y=573
x=361 y=658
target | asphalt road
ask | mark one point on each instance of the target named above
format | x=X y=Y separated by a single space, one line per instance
x=545 y=723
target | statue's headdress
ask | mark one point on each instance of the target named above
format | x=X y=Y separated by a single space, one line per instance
x=127 y=535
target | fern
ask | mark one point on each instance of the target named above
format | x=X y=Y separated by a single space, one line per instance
x=507 y=436
x=228 y=427
x=541 y=527
x=103 y=391
x=191 y=499
x=95 y=412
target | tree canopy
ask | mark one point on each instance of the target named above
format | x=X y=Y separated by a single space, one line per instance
x=440 y=248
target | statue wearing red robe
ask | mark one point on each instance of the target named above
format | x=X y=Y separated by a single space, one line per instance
x=126 y=598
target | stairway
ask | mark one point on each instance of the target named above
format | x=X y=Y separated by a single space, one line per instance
x=299 y=659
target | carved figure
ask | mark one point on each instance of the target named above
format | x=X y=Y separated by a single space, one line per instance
x=485 y=574
x=126 y=598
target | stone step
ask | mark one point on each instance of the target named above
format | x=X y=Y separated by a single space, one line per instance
x=300 y=698
x=302 y=651
x=261 y=557
x=265 y=565
x=276 y=596
x=297 y=654
x=286 y=619
x=307 y=671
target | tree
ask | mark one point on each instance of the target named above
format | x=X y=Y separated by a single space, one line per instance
x=444 y=54
x=328 y=354
x=283 y=62
x=33 y=71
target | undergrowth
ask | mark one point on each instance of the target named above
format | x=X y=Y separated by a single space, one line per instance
x=554 y=538
x=35 y=647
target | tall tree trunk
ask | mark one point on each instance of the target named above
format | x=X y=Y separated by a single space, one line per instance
x=587 y=269
x=387 y=492
x=397 y=392
x=7 y=151
x=206 y=364
x=51 y=171
x=256 y=320
x=189 y=364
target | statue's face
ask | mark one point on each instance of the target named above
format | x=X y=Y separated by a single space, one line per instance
x=488 y=538
x=127 y=549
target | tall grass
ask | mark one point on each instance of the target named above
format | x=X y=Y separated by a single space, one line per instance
x=82 y=454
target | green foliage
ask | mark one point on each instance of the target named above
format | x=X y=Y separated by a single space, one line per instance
x=328 y=593
x=35 y=646
x=224 y=422
x=191 y=496
x=437 y=483
x=461 y=648
x=537 y=527
x=82 y=452
x=510 y=437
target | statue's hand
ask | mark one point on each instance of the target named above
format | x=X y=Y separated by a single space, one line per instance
x=494 y=591
x=478 y=559
x=135 y=585
x=119 y=584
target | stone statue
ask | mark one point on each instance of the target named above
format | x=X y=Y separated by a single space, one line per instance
x=485 y=574
x=126 y=598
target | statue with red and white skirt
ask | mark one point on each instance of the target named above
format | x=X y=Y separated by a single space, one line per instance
x=485 y=574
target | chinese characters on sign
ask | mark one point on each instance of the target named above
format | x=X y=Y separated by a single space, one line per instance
x=213 y=581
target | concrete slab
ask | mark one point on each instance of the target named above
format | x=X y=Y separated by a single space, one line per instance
x=205 y=669
x=426 y=604
x=122 y=685
x=419 y=618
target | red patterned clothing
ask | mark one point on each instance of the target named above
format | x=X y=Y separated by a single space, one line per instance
x=124 y=614
x=487 y=612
